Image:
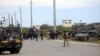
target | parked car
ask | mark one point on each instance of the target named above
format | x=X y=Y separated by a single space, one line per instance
x=94 y=33
x=82 y=35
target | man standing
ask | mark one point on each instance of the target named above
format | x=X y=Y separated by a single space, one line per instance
x=31 y=34
x=56 y=34
x=41 y=34
x=65 y=36
x=52 y=35
x=35 y=34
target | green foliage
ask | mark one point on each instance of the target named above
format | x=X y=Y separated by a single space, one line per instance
x=60 y=28
x=46 y=26
x=24 y=29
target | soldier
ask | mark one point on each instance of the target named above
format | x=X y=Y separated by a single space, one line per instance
x=73 y=35
x=31 y=34
x=65 y=36
x=52 y=34
x=56 y=34
x=41 y=35
x=48 y=35
x=25 y=36
x=35 y=34
x=1 y=33
x=69 y=34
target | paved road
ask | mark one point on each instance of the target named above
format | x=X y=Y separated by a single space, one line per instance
x=54 y=48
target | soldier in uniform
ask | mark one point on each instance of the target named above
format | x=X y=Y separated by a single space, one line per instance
x=31 y=34
x=35 y=34
x=1 y=33
x=65 y=36
x=41 y=35
x=56 y=34
x=52 y=34
x=25 y=35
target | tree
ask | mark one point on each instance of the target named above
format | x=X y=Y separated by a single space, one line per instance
x=60 y=28
x=46 y=26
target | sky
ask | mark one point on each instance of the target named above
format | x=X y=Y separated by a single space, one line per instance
x=88 y=11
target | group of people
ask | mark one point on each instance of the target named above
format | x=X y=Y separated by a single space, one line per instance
x=53 y=34
x=32 y=34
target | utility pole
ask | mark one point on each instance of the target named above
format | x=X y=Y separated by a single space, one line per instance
x=31 y=12
x=9 y=19
x=54 y=14
x=80 y=21
x=21 y=18
x=15 y=18
x=12 y=21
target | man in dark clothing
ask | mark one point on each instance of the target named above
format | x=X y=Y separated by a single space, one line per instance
x=25 y=36
x=56 y=35
x=35 y=34
x=31 y=33
x=52 y=35
x=41 y=35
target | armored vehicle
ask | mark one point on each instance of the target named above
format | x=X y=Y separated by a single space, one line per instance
x=10 y=39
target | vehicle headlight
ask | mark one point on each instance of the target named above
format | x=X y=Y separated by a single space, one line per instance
x=4 y=41
x=18 y=41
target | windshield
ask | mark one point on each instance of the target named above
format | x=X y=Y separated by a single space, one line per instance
x=7 y=32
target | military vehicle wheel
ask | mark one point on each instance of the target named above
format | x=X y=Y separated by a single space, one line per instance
x=14 y=51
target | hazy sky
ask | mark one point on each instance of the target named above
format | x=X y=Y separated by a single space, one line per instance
x=86 y=10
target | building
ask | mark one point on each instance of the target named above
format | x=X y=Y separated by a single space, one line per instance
x=37 y=27
x=67 y=23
